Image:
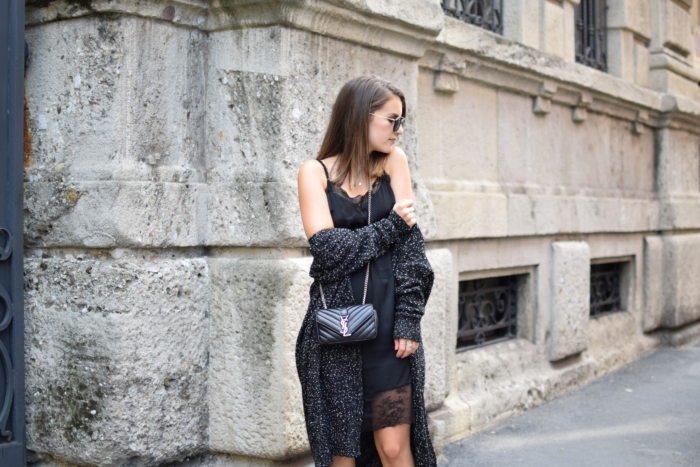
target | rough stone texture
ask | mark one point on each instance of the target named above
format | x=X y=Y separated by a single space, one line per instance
x=569 y=299
x=117 y=134
x=256 y=308
x=116 y=352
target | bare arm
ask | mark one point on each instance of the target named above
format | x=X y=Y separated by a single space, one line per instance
x=313 y=203
x=397 y=168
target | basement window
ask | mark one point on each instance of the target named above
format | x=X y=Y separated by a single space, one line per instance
x=487 y=311
x=606 y=282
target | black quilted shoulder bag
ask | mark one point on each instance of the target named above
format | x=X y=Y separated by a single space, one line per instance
x=354 y=323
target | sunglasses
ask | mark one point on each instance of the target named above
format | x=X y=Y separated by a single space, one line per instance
x=398 y=121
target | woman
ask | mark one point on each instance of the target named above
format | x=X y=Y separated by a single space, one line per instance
x=363 y=402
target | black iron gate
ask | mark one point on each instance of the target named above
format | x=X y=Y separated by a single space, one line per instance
x=12 y=448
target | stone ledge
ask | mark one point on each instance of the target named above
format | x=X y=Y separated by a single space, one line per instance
x=543 y=215
x=401 y=27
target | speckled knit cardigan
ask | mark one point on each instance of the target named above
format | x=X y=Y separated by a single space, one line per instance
x=331 y=376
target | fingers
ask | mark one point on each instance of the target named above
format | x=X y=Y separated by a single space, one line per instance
x=403 y=349
x=405 y=209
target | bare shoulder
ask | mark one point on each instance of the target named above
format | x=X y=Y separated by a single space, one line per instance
x=311 y=169
x=396 y=162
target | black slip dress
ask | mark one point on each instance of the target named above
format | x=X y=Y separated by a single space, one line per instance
x=386 y=379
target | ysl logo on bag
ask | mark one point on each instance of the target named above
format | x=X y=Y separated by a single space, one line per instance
x=344 y=326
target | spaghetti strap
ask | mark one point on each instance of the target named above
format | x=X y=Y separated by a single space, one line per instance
x=324 y=168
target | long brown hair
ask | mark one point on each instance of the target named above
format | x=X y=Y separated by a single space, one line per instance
x=348 y=130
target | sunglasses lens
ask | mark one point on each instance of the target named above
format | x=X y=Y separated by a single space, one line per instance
x=397 y=123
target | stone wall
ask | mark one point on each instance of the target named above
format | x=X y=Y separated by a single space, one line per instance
x=166 y=266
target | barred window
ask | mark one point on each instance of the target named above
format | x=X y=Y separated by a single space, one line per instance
x=606 y=282
x=483 y=13
x=591 y=34
x=487 y=311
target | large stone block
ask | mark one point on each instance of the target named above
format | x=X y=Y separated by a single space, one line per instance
x=107 y=100
x=679 y=162
x=569 y=299
x=116 y=130
x=256 y=307
x=439 y=346
x=116 y=353
x=553 y=154
x=681 y=269
x=470 y=215
x=458 y=132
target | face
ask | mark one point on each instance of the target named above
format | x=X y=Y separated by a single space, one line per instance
x=382 y=136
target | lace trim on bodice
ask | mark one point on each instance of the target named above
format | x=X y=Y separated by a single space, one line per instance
x=359 y=199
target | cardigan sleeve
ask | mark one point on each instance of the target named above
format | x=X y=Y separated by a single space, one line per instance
x=413 y=281
x=339 y=252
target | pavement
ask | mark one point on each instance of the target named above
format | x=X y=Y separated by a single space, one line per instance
x=645 y=414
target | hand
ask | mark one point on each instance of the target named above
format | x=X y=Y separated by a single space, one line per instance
x=401 y=346
x=404 y=208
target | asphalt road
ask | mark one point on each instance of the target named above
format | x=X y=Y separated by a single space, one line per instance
x=646 y=414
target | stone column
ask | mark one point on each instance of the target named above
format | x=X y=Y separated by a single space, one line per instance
x=521 y=21
x=629 y=32
x=555 y=28
x=569 y=299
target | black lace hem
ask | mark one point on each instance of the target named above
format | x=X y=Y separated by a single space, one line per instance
x=388 y=408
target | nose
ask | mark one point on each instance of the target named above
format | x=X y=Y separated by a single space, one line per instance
x=400 y=130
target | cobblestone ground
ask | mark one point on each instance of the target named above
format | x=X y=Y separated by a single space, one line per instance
x=646 y=414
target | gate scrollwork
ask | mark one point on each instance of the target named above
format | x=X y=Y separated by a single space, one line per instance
x=7 y=308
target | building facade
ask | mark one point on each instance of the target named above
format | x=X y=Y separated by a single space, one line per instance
x=555 y=155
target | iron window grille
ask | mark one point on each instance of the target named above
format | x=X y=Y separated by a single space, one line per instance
x=487 y=311
x=591 y=34
x=605 y=288
x=483 y=13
